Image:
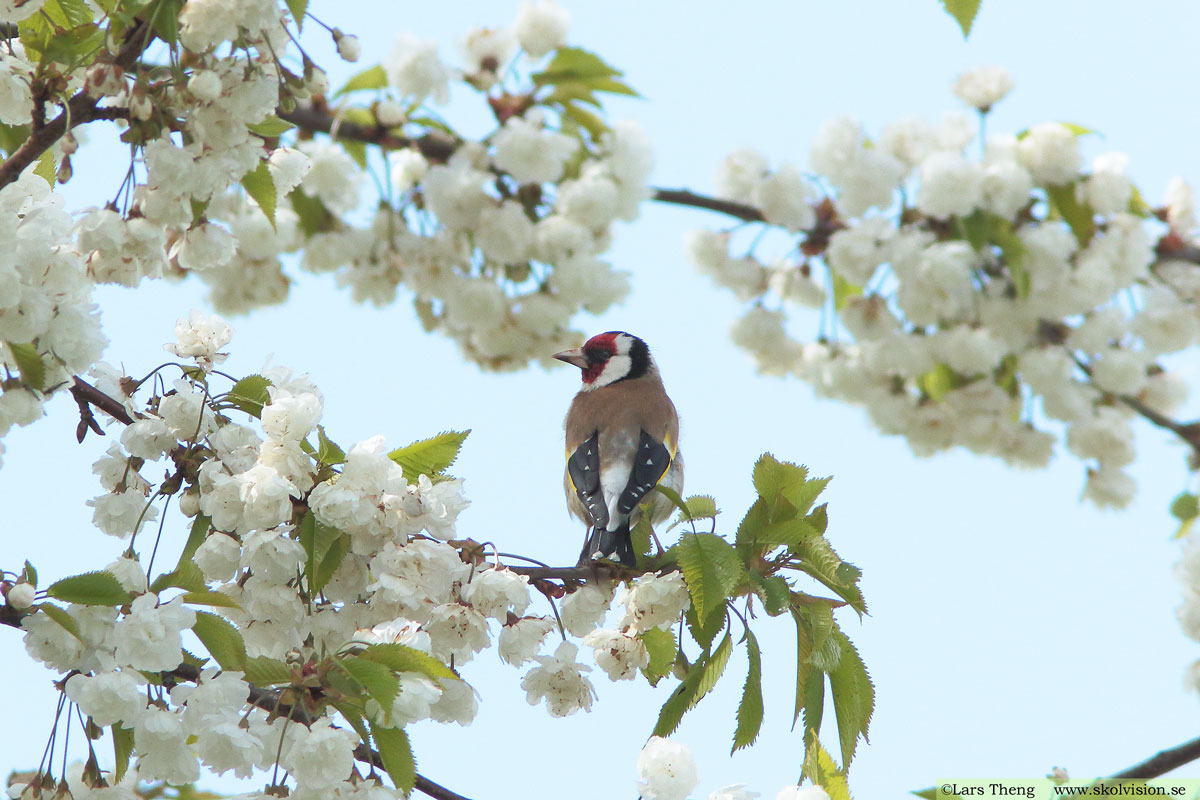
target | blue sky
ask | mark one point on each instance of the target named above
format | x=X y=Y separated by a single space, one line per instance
x=1012 y=628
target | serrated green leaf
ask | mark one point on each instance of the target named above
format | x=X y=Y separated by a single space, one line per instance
x=402 y=658
x=122 y=738
x=843 y=290
x=639 y=535
x=186 y=576
x=327 y=450
x=939 y=382
x=789 y=533
x=370 y=78
x=711 y=568
x=750 y=708
x=209 y=598
x=271 y=127
x=700 y=680
x=30 y=364
x=431 y=456
x=324 y=548
x=12 y=137
x=1185 y=506
x=803 y=494
x=259 y=184
x=46 y=168
x=164 y=19
x=593 y=124
x=773 y=590
x=356 y=150
x=752 y=525
x=661 y=647
x=772 y=476
x=59 y=615
x=704 y=631
x=571 y=91
x=853 y=697
x=250 y=394
x=98 y=588
x=964 y=12
x=265 y=671
x=803 y=651
x=378 y=681
x=29 y=574
x=696 y=507
x=574 y=64
x=396 y=754
x=818 y=559
x=612 y=86
x=196 y=536
x=1078 y=215
x=314 y=216
x=352 y=715
x=821 y=769
x=222 y=640
x=298 y=8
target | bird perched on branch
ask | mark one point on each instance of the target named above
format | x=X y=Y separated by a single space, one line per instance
x=622 y=441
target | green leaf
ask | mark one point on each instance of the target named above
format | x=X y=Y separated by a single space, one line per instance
x=822 y=770
x=186 y=576
x=1002 y=233
x=673 y=496
x=396 y=754
x=1186 y=506
x=46 y=168
x=325 y=547
x=706 y=629
x=964 y=12
x=939 y=382
x=700 y=680
x=314 y=216
x=223 y=641
x=259 y=184
x=265 y=671
x=773 y=477
x=378 y=681
x=12 y=137
x=370 y=78
x=696 y=507
x=843 y=290
x=29 y=574
x=661 y=647
x=64 y=620
x=750 y=708
x=594 y=125
x=750 y=528
x=165 y=19
x=773 y=591
x=1079 y=130
x=711 y=569
x=298 y=8
x=250 y=394
x=29 y=362
x=574 y=64
x=271 y=127
x=853 y=697
x=122 y=749
x=209 y=598
x=402 y=658
x=1077 y=215
x=803 y=651
x=196 y=536
x=431 y=456
x=714 y=668
x=90 y=589
x=354 y=717
x=327 y=450
x=356 y=150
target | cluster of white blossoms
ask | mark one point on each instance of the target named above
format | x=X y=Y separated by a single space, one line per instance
x=667 y=771
x=973 y=302
x=499 y=240
x=265 y=497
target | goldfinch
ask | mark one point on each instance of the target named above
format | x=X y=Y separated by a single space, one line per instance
x=622 y=440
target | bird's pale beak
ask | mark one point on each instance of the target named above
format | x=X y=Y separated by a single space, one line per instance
x=575 y=357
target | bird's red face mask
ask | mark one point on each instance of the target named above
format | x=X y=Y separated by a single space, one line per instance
x=593 y=357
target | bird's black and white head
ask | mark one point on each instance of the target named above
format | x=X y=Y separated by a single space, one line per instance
x=610 y=357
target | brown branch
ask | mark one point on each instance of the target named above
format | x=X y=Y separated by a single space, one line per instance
x=87 y=396
x=686 y=197
x=316 y=119
x=80 y=109
x=1162 y=762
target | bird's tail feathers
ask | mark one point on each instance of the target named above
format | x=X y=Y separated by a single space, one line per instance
x=613 y=544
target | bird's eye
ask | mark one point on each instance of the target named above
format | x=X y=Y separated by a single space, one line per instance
x=597 y=354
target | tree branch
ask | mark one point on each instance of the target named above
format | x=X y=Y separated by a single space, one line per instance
x=80 y=109
x=1162 y=762
x=686 y=197
x=87 y=396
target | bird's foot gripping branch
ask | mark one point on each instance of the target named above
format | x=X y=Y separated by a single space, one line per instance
x=336 y=603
